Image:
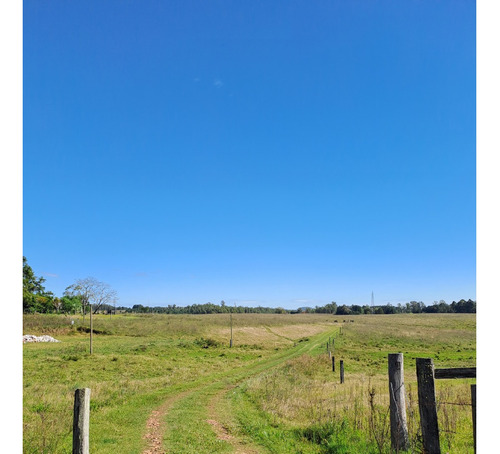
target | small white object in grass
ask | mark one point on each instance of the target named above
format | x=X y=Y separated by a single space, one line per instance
x=44 y=338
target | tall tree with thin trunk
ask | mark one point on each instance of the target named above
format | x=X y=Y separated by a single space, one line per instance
x=92 y=292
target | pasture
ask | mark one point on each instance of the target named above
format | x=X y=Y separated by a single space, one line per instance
x=170 y=383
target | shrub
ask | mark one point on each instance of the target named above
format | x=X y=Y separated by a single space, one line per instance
x=206 y=343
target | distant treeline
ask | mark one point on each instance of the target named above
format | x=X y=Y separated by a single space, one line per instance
x=207 y=308
x=414 y=307
x=37 y=300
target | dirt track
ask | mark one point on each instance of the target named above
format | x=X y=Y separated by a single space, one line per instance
x=210 y=394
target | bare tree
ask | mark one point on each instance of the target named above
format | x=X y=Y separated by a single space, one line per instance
x=92 y=291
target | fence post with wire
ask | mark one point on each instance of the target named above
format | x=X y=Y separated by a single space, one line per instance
x=427 y=400
x=427 y=405
x=399 y=428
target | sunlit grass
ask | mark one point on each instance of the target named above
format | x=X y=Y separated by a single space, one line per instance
x=304 y=393
x=133 y=368
x=292 y=402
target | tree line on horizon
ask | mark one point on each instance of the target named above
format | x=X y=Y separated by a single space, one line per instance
x=78 y=297
x=413 y=307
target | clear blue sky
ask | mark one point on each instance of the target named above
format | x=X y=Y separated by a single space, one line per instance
x=284 y=153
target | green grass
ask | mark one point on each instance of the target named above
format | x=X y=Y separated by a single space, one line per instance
x=188 y=431
x=265 y=430
x=303 y=393
x=131 y=371
x=273 y=390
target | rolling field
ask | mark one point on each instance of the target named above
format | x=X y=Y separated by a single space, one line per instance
x=170 y=383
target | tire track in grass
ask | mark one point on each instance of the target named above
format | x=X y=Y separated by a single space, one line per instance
x=156 y=425
x=222 y=427
x=269 y=330
x=251 y=447
x=194 y=404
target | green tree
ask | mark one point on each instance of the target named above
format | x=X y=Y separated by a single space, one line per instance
x=389 y=309
x=331 y=308
x=463 y=306
x=415 y=307
x=31 y=283
x=356 y=309
x=71 y=304
x=34 y=296
x=343 y=310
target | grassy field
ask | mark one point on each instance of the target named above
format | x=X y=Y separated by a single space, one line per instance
x=274 y=391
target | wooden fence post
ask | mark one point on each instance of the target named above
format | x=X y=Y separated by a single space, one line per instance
x=341 y=371
x=91 y=329
x=473 y=399
x=333 y=363
x=81 y=414
x=231 y=340
x=427 y=406
x=399 y=429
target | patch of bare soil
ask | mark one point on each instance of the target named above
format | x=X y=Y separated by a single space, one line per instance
x=221 y=431
x=155 y=426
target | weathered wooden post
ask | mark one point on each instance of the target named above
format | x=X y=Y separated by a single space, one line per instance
x=341 y=371
x=473 y=399
x=91 y=329
x=231 y=340
x=427 y=406
x=399 y=428
x=81 y=416
x=333 y=363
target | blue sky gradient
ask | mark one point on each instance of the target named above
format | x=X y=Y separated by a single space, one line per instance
x=261 y=153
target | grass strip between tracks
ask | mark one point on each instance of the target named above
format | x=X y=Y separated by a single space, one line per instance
x=187 y=429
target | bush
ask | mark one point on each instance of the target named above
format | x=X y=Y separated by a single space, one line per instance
x=206 y=343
